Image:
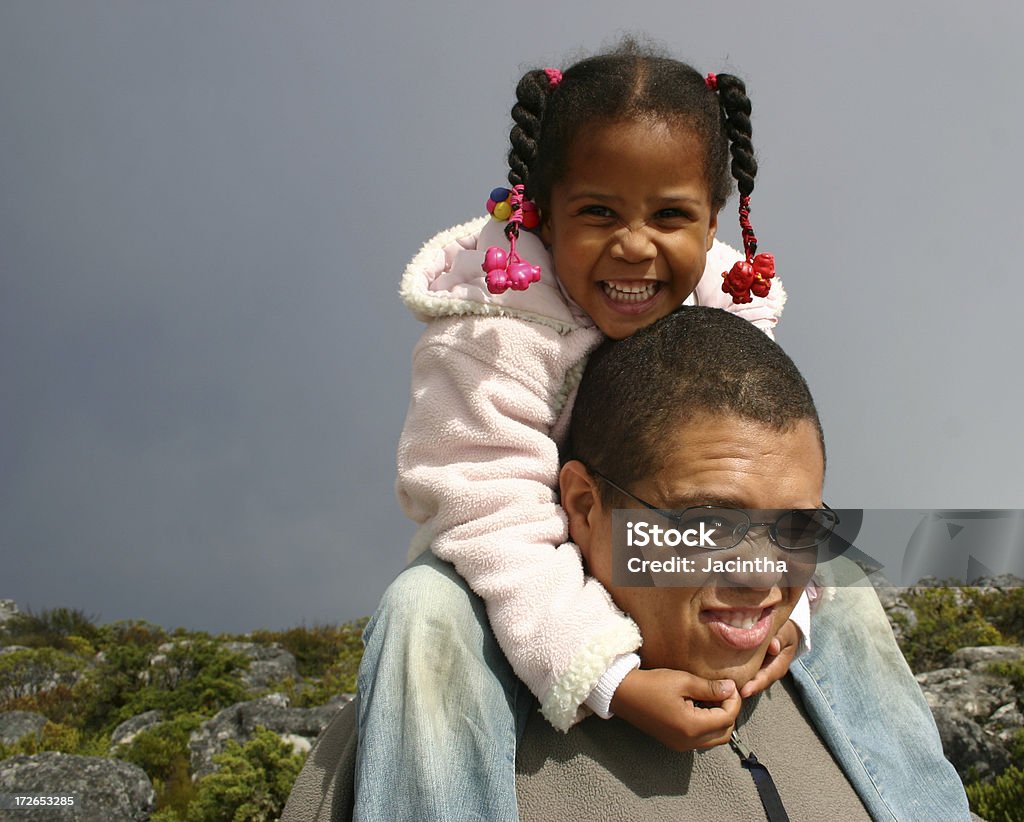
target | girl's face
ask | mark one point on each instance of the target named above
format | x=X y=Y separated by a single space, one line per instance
x=631 y=222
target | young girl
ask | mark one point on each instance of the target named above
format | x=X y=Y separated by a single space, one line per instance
x=624 y=160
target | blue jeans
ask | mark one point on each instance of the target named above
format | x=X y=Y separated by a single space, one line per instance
x=440 y=709
x=863 y=700
x=441 y=712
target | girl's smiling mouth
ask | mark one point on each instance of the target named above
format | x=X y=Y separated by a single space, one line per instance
x=630 y=295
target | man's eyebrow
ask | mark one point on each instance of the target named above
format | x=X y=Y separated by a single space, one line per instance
x=697 y=498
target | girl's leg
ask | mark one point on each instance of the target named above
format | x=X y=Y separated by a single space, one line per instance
x=440 y=710
x=866 y=704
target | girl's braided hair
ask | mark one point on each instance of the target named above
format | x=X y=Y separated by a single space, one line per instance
x=629 y=83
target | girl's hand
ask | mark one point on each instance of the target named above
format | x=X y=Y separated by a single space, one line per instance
x=663 y=703
x=781 y=653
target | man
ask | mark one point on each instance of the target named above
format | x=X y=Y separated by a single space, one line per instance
x=703 y=409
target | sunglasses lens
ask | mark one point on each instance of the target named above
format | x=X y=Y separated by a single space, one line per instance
x=804 y=528
x=726 y=526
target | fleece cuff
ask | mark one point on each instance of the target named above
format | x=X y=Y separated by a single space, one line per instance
x=600 y=699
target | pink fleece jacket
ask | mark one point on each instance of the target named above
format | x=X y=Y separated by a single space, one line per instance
x=492 y=385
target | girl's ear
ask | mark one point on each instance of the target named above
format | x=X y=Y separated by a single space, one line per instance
x=581 y=503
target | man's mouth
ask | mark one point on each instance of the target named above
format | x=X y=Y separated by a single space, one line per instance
x=741 y=619
x=630 y=291
x=741 y=628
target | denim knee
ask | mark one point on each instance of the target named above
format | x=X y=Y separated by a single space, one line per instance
x=432 y=626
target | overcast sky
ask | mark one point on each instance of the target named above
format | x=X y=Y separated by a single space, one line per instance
x=205 y=210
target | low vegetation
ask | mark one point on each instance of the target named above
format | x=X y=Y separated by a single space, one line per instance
x=946 y=619
x=87 y=679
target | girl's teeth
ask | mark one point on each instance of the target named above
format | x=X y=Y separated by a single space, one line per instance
x=630 y=293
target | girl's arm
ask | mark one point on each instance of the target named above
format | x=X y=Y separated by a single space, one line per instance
x=477 y=467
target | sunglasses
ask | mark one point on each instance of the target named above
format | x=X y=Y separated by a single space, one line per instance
x=794 y=530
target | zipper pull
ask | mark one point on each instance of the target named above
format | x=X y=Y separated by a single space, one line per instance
x=737 y=745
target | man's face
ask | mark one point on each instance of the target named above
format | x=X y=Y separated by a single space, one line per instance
x=721 y=627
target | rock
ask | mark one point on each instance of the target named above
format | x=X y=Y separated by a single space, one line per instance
x=998 y=583
x=976 y=714
x=970 y=749
x=269 y=664
x=32 y=671
x=1005 y=722
x=103 y=789
x=901 y=616
x=300 y=726
x=983 y=656
x=15 y=725
x=124 y=733
x=8 y=610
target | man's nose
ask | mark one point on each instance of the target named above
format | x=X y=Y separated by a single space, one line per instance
x=755 y=562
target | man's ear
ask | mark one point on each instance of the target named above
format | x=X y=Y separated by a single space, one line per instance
x=581 y=503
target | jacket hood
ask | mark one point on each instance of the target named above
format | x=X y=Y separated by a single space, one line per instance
x=446 y=279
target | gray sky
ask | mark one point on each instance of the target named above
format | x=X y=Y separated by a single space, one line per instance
x=205 y=210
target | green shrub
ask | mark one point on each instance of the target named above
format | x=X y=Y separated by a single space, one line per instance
x=126 y=648
x=338 y=679
x=196 y=674
x=162 y=752
x=134 y=632
x=319 y=647
x=1004 y=609
x=31 y=671
x=61 y=704
x=166 y=815
x=1002 y=799
x=56 y=737
x=51 y=628
x=252 y=783
x=1014 y=672
x=944 y=624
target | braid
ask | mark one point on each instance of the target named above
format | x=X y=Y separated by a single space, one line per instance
x=528 y=114
x=732 y=96
x=753 y=275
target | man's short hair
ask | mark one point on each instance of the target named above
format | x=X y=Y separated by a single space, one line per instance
x=635 y=392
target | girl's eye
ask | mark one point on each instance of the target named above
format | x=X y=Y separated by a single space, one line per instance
x=670 y=214
x=600 y=211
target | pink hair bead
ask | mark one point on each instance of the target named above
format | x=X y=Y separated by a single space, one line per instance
x=521 y=274
x=495 y=258
x=497 y=281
